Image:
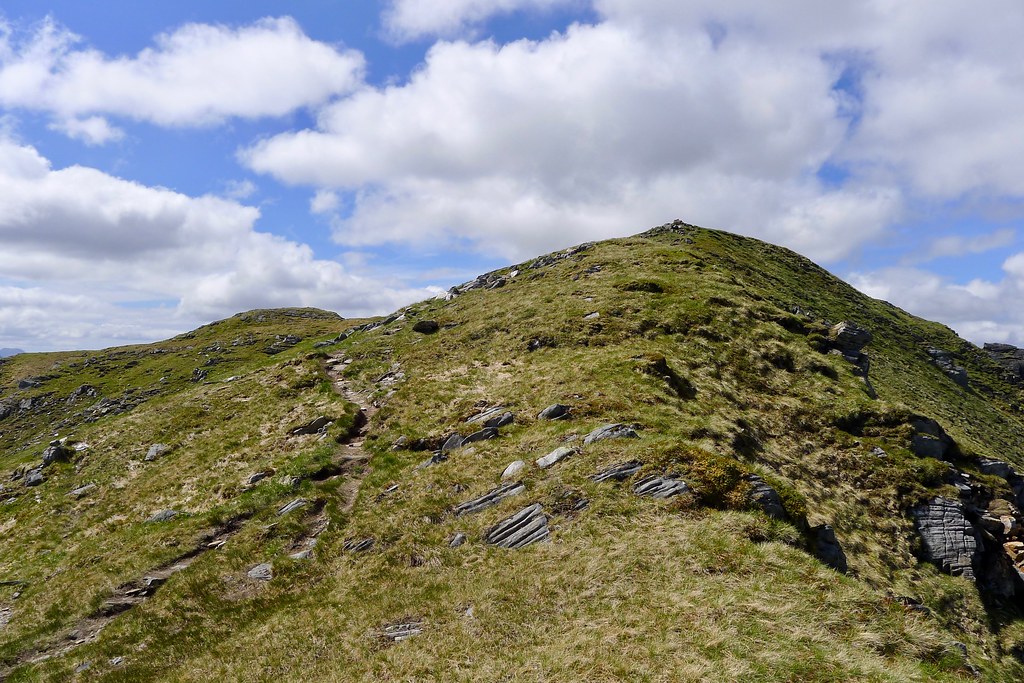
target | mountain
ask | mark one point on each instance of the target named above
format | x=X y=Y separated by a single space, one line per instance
x=684 y=455
x=5 y=352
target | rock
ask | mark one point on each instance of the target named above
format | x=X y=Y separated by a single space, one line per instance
x=312 y=427
x=162 y=516
x=879 y=452
x=257 y=477
x=81 y=490
x=996 y=468
x=358 y=545
x=555 y=411
x=527 y=526
x=765 y=498
x=610 y=431
x=83 y=391
x=435 y=459
x=198 y=375
x=491 y=417
x=294 y=505
x=513 y=469
x=157 y=450
x=929 y=439
x=400 y=443
x=557 y=455
x=262 y=572
x=399 y=632
x=451 y=443
x=34 y=478
x=489 y=499
x=592 y=316
x=827 y=547
x=302 y=554
x=457 y=540
x=29 y=383
x=948 y=539
x=281 y=343
x=426 y=327
x=483 y=435
x=944 y=360
x=620 y=472
x=1010 y=358
x=660 y=487
x=56 y=453
x=849 y=337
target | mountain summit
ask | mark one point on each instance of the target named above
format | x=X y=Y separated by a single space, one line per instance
x=684 y=455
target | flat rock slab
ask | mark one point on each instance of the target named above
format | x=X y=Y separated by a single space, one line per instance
x=948 y=539
x=660 y=487
x=483 y=435
x=313 y=426
x=527 y=526
x=620 y=472
x=294 y=505
x=495 y=417
x=555 y=411
x=490 y=499
x=261 y=572
x=610 y=431
x=555 y=456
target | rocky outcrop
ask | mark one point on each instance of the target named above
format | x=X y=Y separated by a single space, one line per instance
x=948 y=538
x=1010 y=358
x=930 y=439
x=527 y=526
x=944 y=360
x=848 y=339
x=827 y=548
x=426 y=326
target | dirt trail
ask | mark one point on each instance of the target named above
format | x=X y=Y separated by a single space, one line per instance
x=352 y=459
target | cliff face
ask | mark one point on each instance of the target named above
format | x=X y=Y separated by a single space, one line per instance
x=679 y=456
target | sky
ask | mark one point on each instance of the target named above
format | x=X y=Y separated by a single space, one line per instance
x=163 y=165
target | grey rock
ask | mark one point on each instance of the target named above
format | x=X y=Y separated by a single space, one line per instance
x=29 y=383
x=1010 y=358
x=83 y=391
x=484 y=417
x=294 y=505
x=929 y=439
x=162 y=516
x=457 y=540
x=948 y=539
x=997 y=468
x=358 y=545
x=849 y=337
x=556 y=411
x=302 y=554
x=34 y=478
x=116 y=661
x=257 y=477
x=879 y=452
x=827 y=547
x=262 y=572
x=452 y=442
x=435 y=459
x=765 y=498
x=555 y=456
x=199 y=374
x=610 y=431
x=527 y=526
x=489 y=499
x=82 y=491
x=157 y=450
x=399 y=632
x=56 y=453
x=483 y=435
x=592 y=316
x=513 y=469
x=944 y=360
x=426 y=327
x=620 y=472
x=313 y=426
x=660 y=487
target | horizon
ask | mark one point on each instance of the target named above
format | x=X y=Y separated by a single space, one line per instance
x=165 y=167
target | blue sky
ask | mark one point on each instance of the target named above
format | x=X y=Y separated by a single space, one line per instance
x=163 y=165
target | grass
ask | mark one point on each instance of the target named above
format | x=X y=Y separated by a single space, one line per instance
x=696 y=344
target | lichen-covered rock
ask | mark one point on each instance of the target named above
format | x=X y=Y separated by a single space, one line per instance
x=947 y=537
x=527 y=526
x=610 y=431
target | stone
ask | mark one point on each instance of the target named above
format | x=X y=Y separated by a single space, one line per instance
x=849 y=337
x=162 y=516
x=56 y=453
x=399 y=632
x=555 y=411
x=620 y=472
x=610 y=431
x=451 y=443
x=765 y=498
x=592 y=316
x=513 y=469
x=929 y=439
x=34 y=478
x=157 y=450
x=827 y=547
x=306 y=554
x=1010 y=358
x=997 y=468
x=660 y=487
x=555 y=456
x=948 y=539
x=457 y=540
x=82 y=490
x=83 y=391
x=489 y=499
x=435 y=459
x=294 y=505
x=358 y=545
x=529 y=525
x=426 y=327
x=257 y=477
x=313 y=426
x=483 y=435
x=486 y=416
x=262 y=572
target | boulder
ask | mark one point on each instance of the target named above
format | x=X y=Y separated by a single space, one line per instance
x=610 y=431
x=827 y=547
x=34 y=478
x=849 y=337
x=557 y=455
x=262 y=572
x=81 y=490
x=929 y=439
x=555 y=411
x=312 y=427
x=948 y=538
x=763 y=497
x=56 y=452
x=527 y=526
x=451 y=443
x=513 y=469
x=426 y=327
x=489 y=499
x=157 y=450
x=660 y=487
x=487 y=416
x=458 y=539
x=483 y=435
x=620 y=472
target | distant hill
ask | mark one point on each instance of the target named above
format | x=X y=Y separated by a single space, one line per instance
x=4 y=353
x=680 y=456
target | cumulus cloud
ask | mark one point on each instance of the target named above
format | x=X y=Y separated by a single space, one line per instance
x=410 y=19
x=93 y=130
x=959 y=245
x=77 y=246
x=198 y=74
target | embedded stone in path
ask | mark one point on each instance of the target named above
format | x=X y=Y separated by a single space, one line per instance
x=660 y=487
x=620 y=472
x=527 y=526
x=489 y=499
x=555 y=456
x=556 y=411
x=610 y=431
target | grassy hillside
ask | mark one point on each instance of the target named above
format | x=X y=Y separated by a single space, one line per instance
x=712 y=347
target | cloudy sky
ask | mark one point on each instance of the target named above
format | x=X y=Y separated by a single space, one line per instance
x=166 y=164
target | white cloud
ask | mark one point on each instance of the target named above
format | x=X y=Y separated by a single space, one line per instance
x=93 y=130
x=959 y=245
x=199 y=74
x=239 y=189
x=410 y=19
x=76 y=244
x=324 y=201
